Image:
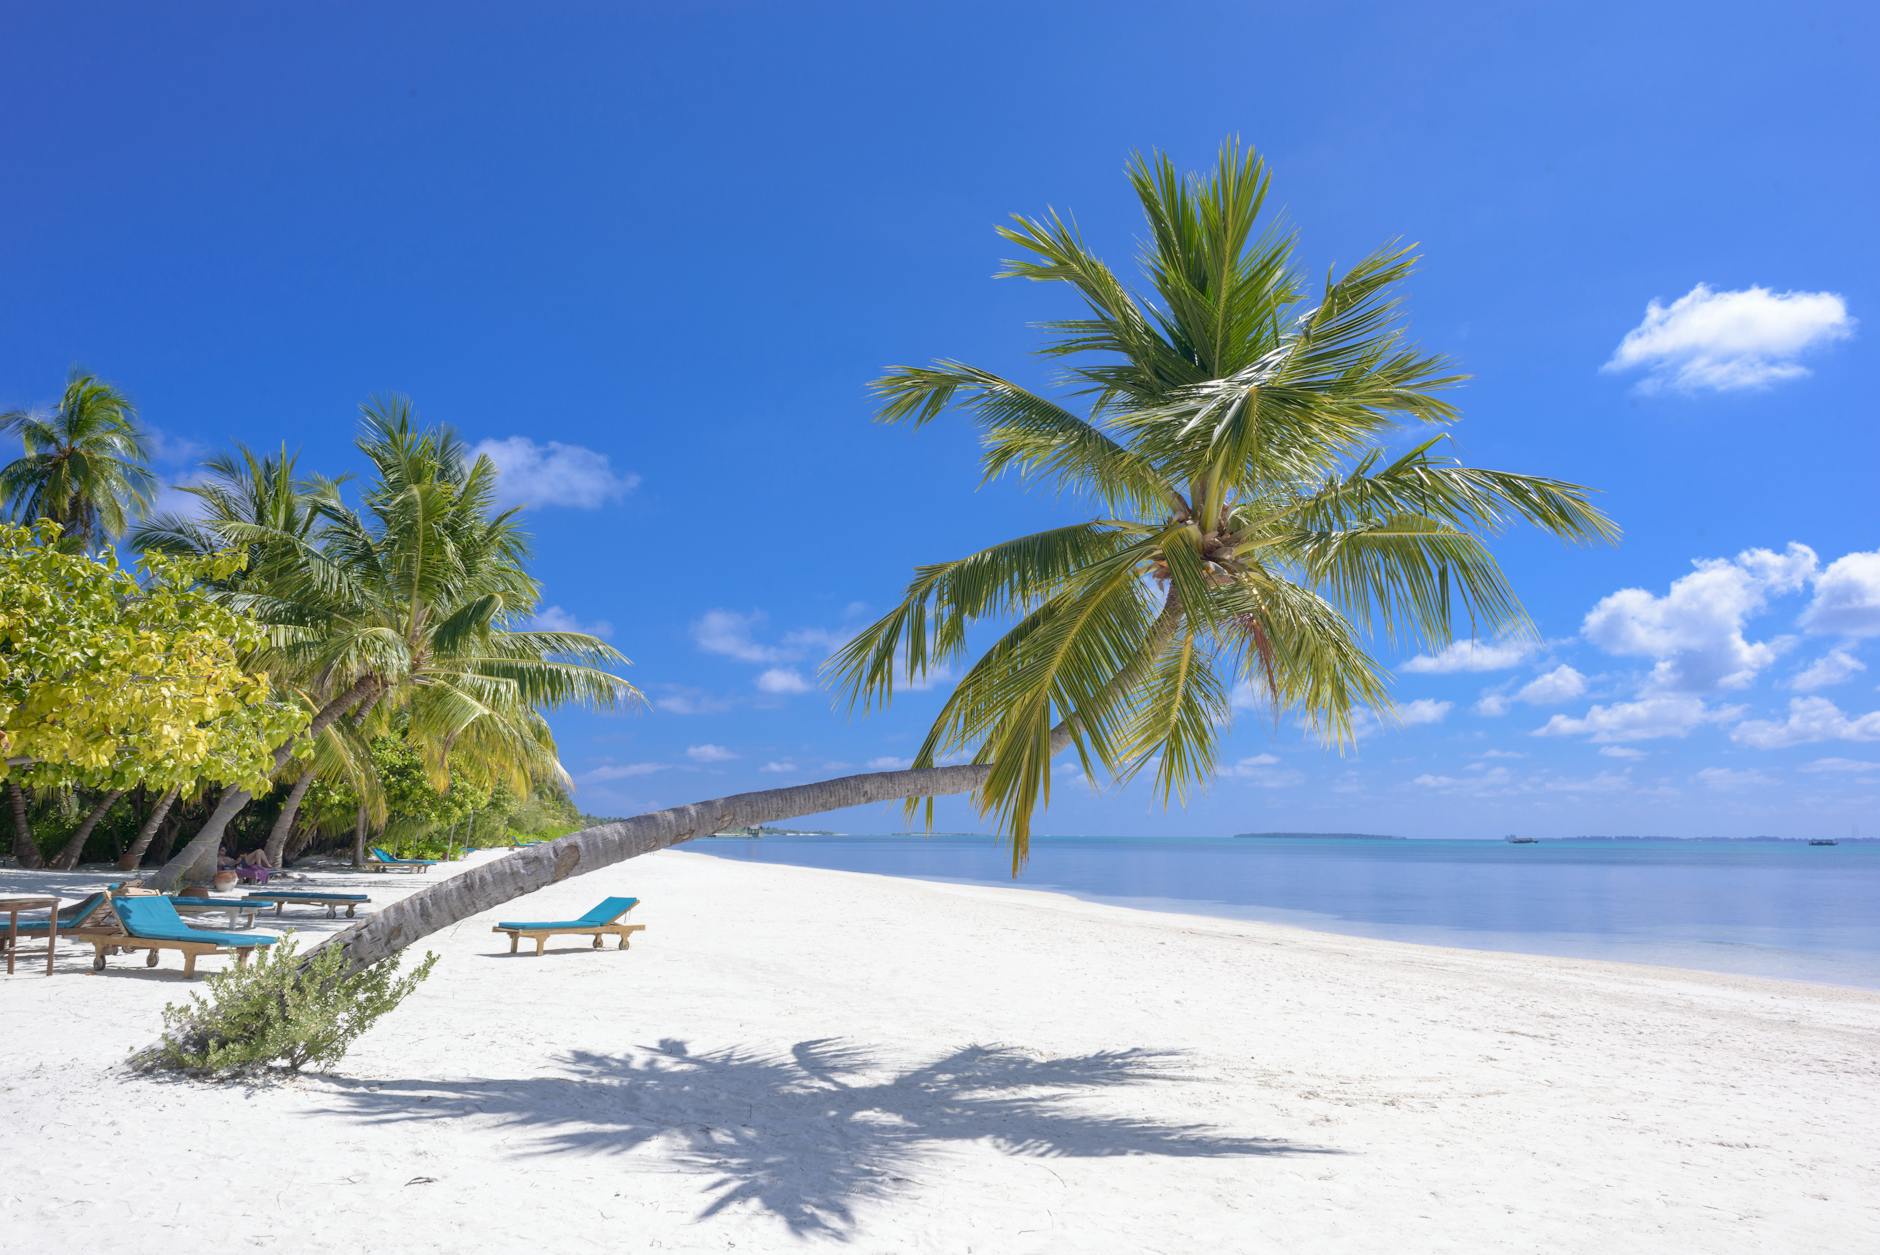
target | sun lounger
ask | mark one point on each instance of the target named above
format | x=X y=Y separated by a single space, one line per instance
x=232 y=907
x=602 y=921
x=307 y=897
x=150 y=922
x=382 y=861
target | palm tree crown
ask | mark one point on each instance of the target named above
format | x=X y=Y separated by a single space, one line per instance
x=1253 y=530
x=83 y=465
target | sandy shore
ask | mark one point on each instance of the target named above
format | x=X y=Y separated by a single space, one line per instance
x=808 y=1058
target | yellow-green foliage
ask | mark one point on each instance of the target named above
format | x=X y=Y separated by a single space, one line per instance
x=110 y=683
x=280 y=1010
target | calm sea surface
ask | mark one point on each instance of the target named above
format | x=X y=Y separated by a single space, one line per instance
x=1782 y=909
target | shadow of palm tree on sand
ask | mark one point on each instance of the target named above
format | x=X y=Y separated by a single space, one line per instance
x=811 y=1134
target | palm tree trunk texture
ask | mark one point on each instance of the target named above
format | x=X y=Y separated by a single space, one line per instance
x=359 y=837
x=75 y=848
x=284 y=822
x=208 y=839
x=500 y=880
x=23 y=848
x=129 y=860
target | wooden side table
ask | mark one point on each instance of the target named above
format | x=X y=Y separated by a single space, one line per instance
x=13 y=906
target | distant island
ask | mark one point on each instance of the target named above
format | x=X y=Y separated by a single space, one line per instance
x=1319 y=836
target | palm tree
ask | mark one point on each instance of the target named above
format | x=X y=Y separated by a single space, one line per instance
x=83 y=466
x=1252 y=531
x=407 y=605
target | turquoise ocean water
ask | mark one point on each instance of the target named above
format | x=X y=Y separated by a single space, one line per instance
x=1767 y=908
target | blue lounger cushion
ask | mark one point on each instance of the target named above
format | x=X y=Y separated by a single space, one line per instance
x=237 y=903
x=153 y=918
x=607 y=912
x=69 y=917
x=385 y=857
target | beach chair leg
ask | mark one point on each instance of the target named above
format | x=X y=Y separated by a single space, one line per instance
x=540 y=941
x=152 y=960
x=97 y=958
x=597 y=941
x=241 y=957
x=624 y=939
x=189 y=961
x=349 y=912
x=331 y=911
x=513 y=939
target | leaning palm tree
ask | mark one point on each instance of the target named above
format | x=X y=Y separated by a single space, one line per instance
x=408 y=604
x=1229 y=424
x=83 y=466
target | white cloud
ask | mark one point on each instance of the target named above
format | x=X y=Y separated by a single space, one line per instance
x=1624 y=752
x=1828 y=670
x=1649 y=718
x=1562 y=684
x=678 y=699
x=1721 y=341
x=1843 y=767
x=1695 y=631
x=553 y=474
x=555 y=619
x=171 y=500
x=165 y=446
x=1493 y=703
x=1810 y=719
x=1365 y=721
x=1503 y=754
x=781 y=767
x=709 y=753
x=1733 y=778
x=732 y=634
x=782 y=680
x=888 y=762
x=1472 y=656
x=621 y=771
x=1847 y=597
x=1264 y=771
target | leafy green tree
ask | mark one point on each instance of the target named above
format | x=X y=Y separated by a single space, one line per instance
x=1231 y=430
x=107 y=683
x=84 y=465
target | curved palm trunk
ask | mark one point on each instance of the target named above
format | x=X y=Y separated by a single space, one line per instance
x=359 y=838
x=129 y=860
x=284 y=823
x=68 y=857
x=24 y=850
x=208 y=838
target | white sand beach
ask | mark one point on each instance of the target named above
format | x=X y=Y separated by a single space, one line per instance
x=808 y=1059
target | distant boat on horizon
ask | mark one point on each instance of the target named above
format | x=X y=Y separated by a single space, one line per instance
x=1822 y=841
x=1512 y=839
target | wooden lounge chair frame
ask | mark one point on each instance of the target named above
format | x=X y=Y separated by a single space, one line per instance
x=597 y=931
x=332 y=908
x=118 y=940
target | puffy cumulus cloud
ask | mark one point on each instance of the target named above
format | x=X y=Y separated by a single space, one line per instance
x=1424 y=710
x=553 y=474
x=1708 y=340
x=1263 y=770
x=1734 y=778
x=1624 y=753
x=1828 y=670
x=732 y=634
x=1649 y=718
x=1562 y=684
x=1847 y=597
x=1694 y=633
x=1472 y=656
x=1810 y=719
x=782 y=681
x=709 y=753
x=555 y=619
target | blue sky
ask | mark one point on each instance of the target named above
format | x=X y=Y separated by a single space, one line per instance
x=653 y=254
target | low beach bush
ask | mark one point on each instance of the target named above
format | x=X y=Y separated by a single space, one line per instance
x=281 y=1011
